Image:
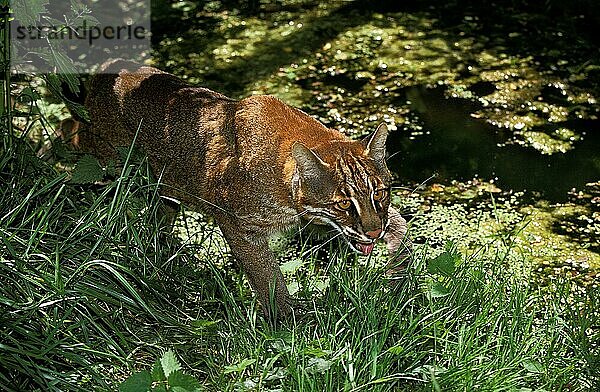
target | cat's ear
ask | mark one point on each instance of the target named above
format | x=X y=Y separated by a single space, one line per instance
x=309 y=164
x=375 y=144
x=314 y=173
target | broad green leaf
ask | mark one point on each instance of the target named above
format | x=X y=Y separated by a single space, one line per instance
x=84 y=14
x=29 y=95
x=438 y=290
x=293 y=287
x=444 y=264
x=65 y=68
x=138 y=382
x=182 y=389
x=54 y=84
x=291 y=266
x=318 y=365
x=157 y=372
x=183 y=382
x=87 y=171
x=111 y=168
x=129 y=155
x=169 y=363
x=316 y=352
x=321 y=285
x=54 y=55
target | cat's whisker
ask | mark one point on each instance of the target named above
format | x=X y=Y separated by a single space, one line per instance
x=393 y=155
x=301 y=229
x=422 y=184
x=300 y=214
x=415 y=189
x=316 y=248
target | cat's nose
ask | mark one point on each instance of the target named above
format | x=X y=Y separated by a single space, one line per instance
x=374 y=234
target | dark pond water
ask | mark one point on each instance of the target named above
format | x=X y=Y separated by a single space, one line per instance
x=454 y=145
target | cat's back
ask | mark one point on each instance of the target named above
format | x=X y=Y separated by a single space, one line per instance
x=143 y=93
x=269 y=128
x=125 y=96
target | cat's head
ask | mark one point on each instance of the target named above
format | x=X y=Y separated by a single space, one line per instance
x=346 y=184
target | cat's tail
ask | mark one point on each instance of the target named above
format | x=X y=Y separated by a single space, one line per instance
x=72 y=91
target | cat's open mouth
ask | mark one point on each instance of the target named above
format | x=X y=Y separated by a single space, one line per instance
x=362 y=247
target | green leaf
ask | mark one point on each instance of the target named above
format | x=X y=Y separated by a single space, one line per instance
x=54 y=84
x=138 y=382
x=84 y=14
x=87 y=171
x=240 y=367
x=205 y=324
x=316 y=352
x=111 y=168
x=321 y=284
x=29 y=12
x=318 y=365
x=438 y=290
x=54 y=55
x=183 y=382
x=444 y=264
x=136 y=156
x=532 y=366
x=169 y=363
x=396 y=350
x=157 y=372
x=291 y=266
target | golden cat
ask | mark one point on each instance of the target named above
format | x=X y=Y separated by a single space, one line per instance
x=257 y=165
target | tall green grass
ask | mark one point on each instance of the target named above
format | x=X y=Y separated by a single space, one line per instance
x=92 y=289
x=82 y=272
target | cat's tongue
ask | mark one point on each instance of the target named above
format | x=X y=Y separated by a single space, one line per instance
x=364 y=248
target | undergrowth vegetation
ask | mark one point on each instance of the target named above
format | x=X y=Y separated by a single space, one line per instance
x=93 y=288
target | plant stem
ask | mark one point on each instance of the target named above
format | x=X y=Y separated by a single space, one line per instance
x=5 y=101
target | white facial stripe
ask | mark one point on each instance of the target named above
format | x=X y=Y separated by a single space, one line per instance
x=373 y=201
x=352 y=231
x=318 y=211
x=347 y=231
x=323 y=214
x=356 y=205
x=334 y=225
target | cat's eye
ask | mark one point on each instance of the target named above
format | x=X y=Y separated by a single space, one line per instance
x=379 y=194
x=344 y=204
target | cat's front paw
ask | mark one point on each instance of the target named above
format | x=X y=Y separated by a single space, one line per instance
x=398 y=243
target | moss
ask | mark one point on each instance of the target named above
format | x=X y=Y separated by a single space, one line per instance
x=475 y=214
x=545 y=143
